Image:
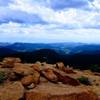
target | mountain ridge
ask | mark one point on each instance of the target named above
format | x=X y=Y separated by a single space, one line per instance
x=71 y=54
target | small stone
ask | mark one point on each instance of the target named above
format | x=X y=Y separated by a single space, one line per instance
x=31 y=86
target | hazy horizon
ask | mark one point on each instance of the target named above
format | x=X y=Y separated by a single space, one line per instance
x=50 y=21
x=46 y=42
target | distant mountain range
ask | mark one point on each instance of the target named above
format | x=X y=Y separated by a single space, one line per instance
x=64 y=48
x=76 y=54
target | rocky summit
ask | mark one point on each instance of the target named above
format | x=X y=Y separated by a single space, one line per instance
x=42 y=81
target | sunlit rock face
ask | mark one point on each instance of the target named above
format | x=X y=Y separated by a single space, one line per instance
x=42 y=81
x=11 y=91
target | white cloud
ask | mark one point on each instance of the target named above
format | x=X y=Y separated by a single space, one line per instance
x=66 y=16
x=46 y=33
x=96 y=4
x=68 y=24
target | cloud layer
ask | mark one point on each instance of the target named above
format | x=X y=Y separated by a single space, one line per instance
x=50 y=21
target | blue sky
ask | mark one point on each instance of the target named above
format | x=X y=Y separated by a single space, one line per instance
x=50 y=21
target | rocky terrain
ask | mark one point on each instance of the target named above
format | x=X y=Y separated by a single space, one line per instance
x=42 y=81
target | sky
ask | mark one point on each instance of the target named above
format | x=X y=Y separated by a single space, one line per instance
x=49 y=21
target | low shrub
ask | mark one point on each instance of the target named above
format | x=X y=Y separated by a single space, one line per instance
x=84 y=80
x=3 y=77
x=95 y=68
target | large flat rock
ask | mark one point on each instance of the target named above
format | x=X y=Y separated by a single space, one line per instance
x=49 y=91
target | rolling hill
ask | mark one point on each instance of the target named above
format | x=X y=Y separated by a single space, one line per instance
x=75 y=54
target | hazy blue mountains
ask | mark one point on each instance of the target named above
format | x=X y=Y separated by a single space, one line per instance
x=77 y=54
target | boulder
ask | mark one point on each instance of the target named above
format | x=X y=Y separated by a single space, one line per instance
x=68 y=70
x=36 y=67
x=9 y=62
x=49 y=74
x=27 y=80
x=60 y=65
x=67 y=79
x=11 y=91
x=36 y=77
x=23 y=69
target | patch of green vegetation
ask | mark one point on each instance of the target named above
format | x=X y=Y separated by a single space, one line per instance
x=84 y=80
x=95 y=68
x=3 y=76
